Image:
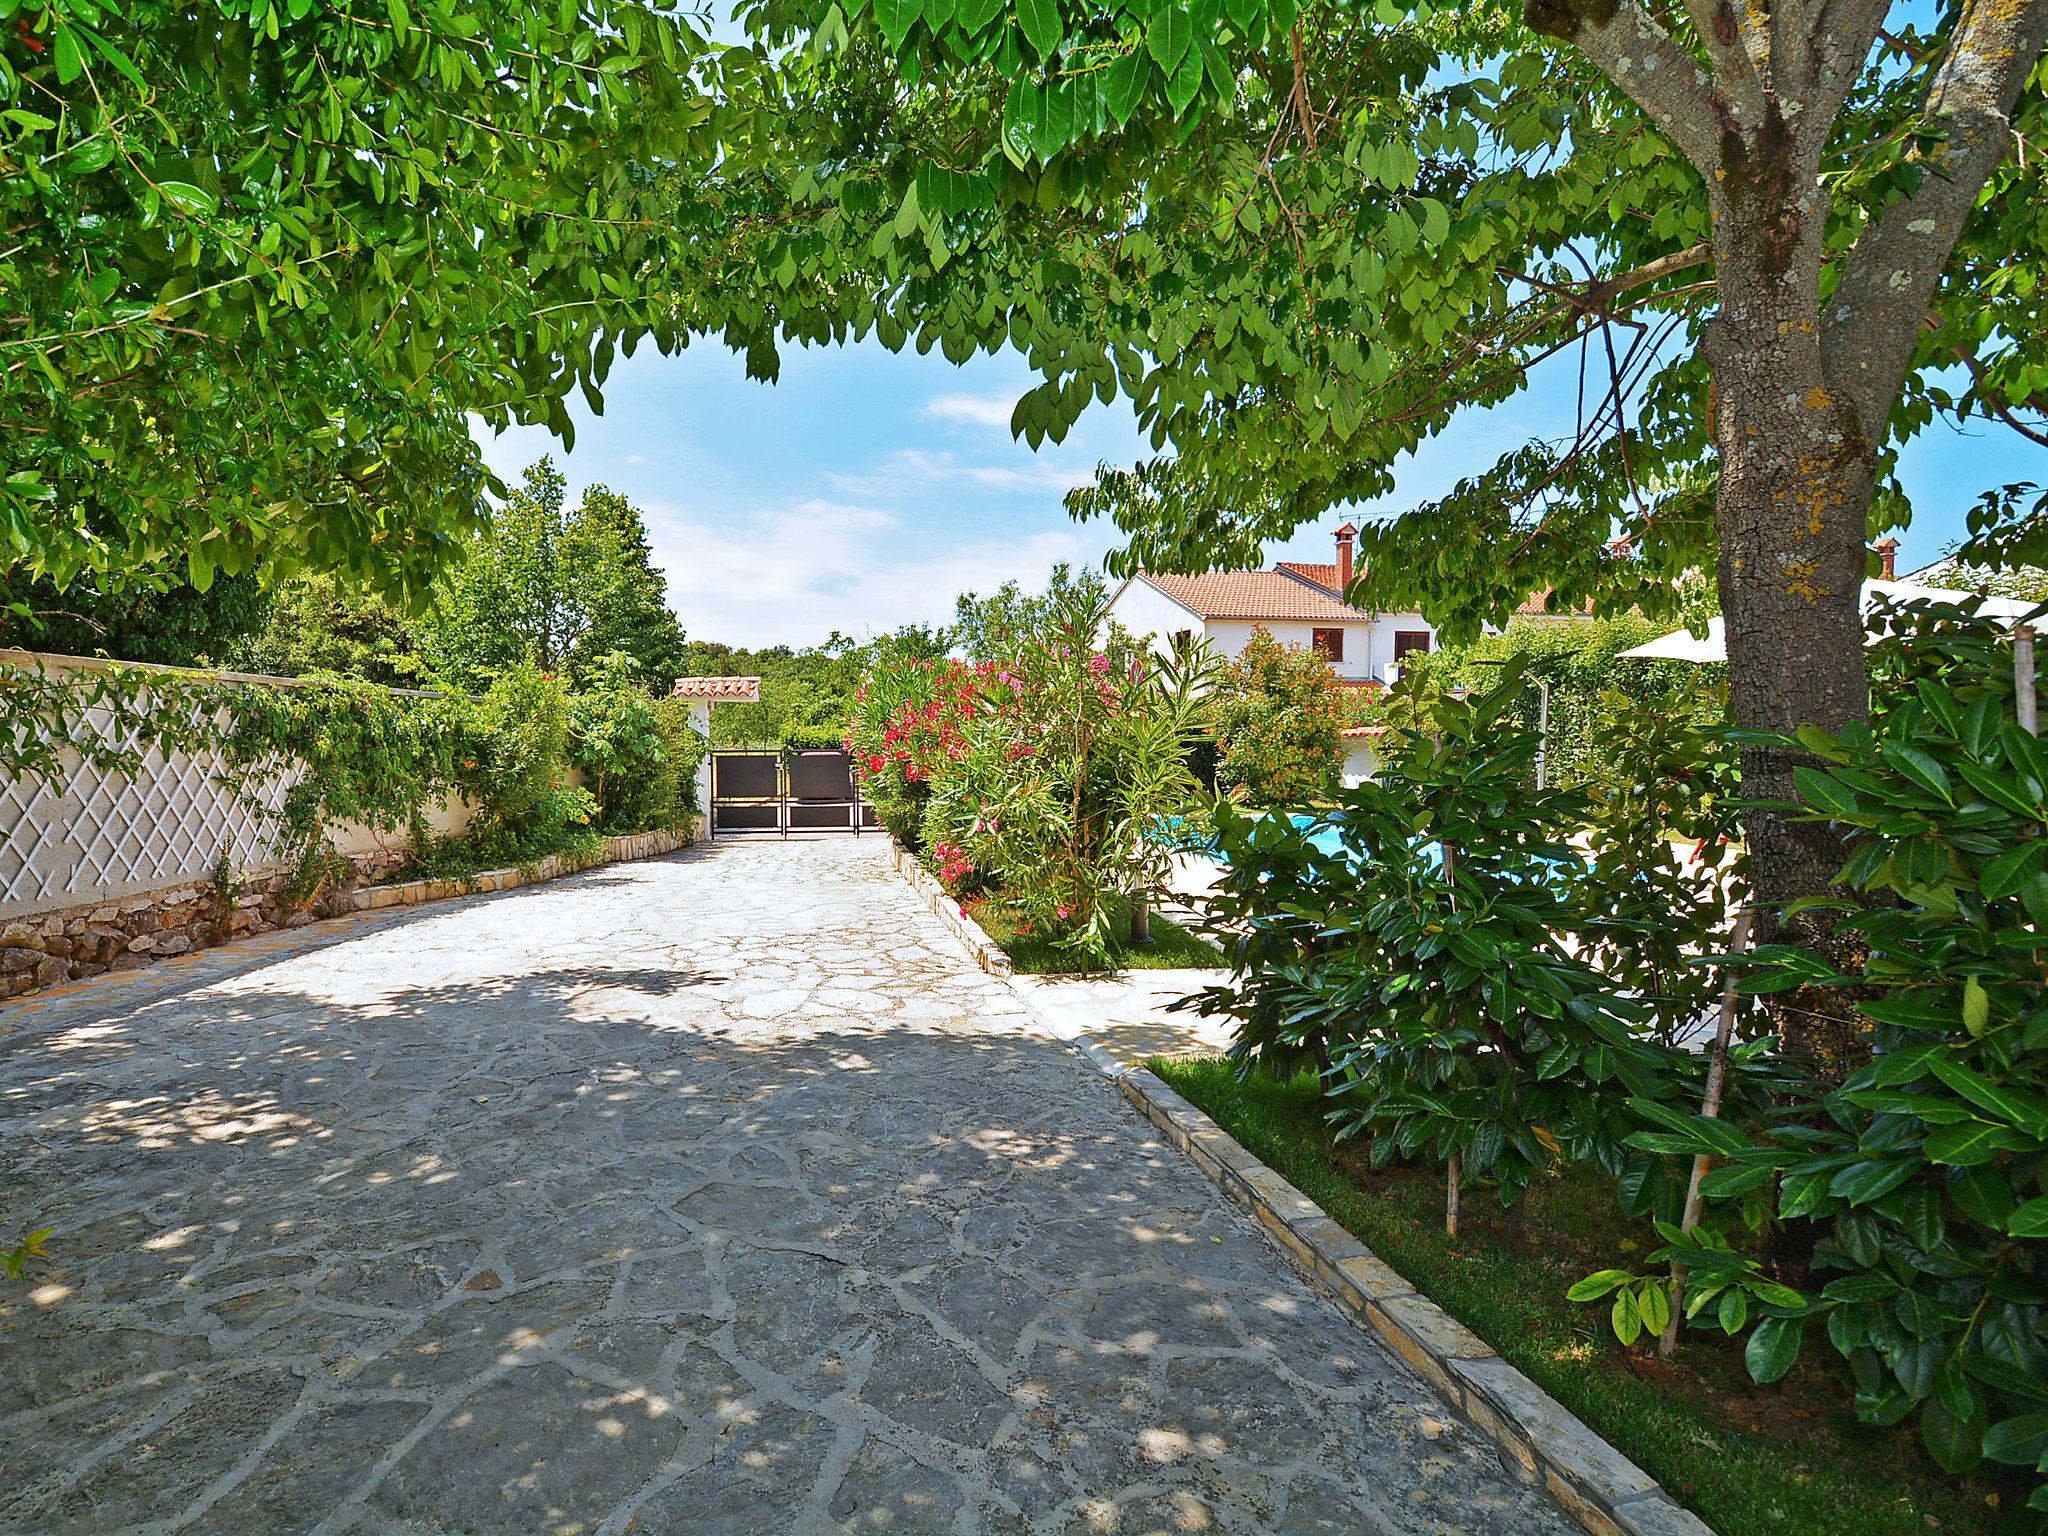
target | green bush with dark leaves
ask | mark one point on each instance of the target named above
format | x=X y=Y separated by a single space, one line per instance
x=1440 y=962
x=1924 y=1175
x=638 y=754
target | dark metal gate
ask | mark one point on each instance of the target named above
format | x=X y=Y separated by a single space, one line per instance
x=780 y=794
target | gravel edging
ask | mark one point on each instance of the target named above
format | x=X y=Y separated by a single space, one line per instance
x=1541 y=1440
x=410 y=893
x=987 y=954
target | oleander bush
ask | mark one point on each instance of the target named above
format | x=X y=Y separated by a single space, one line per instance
x=1046 y=777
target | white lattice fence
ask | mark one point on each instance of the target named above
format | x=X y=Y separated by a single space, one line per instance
x=83 y=832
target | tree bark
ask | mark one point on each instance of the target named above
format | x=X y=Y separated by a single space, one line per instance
x=1804 y=391
x=1797 y=473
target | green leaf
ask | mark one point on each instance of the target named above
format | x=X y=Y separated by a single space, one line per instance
x=1825 y=793
x=1598 y=1284
x=1862 y=1183
x=1023 y=110
x=896 y=18
x=1124 y=85
x=1733 y=1311
x=1919 y=766
x=2027 y=1111
x=1040 y=20
x=2030 y=1220
x=1168 y=37
x=1772 y=1348
x=1955 y=1443
x=189 y=199
x=1976 y=1007
x=1967 y=1145
x=70 y=62
x=1654 y=1302
x=2021 y=1441
x=1625 y=1320
x=1186 y=81
x=2011 y=870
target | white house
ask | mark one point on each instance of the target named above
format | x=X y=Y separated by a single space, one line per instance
x=1297 y=604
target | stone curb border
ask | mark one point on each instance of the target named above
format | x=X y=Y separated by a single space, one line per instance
x=1541 y=1441
x=987 y=954
x=411 y=893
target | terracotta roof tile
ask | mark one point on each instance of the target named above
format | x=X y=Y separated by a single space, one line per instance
x=1258 y=596
x=1533 y=606
x=1324 y=576
x=726 y=690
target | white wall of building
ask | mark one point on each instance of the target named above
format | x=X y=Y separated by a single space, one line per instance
x=1151 y=615
x=1360 y=763
x=1382 y=645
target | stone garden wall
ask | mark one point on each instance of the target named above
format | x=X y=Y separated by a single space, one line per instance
x=103 y=869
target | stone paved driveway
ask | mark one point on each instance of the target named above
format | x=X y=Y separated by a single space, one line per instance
x=717 y=1193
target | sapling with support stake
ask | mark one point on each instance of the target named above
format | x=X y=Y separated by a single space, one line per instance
x=1710 y=1107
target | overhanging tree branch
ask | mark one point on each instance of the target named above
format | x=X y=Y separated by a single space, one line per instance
x=1872 y=323
x=1644 y=60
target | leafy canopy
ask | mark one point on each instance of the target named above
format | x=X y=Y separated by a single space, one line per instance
x=1300 y=239
x=264 y=256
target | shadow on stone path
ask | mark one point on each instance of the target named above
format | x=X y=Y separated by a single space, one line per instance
x=716 y=1193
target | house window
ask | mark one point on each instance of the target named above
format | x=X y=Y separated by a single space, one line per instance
x=1183 y=641
x=1406 y=640
x=1329 y=642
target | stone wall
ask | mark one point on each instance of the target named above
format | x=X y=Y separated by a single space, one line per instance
x=117 y=935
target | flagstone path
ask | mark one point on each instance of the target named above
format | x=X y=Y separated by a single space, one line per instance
x=714 y=1193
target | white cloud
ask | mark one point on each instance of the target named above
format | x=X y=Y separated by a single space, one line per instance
x=792 y=575
x=909 y=468
x=981 y=410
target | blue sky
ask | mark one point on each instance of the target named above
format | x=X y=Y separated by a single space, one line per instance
x=866 y=489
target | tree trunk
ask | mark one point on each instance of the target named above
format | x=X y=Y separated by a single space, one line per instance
x=1797 y=471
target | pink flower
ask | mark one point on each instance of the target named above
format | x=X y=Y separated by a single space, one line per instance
x=1098 y=664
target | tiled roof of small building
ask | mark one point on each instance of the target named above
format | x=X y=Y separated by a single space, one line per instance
x=1258 y=596
x=1324 y=576
x=725 y=690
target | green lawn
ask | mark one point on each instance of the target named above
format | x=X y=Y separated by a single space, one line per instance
x=1172 y=946
x=1749 y=1460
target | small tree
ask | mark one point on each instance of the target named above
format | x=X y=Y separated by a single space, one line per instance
x=1278 y=713
x=561 y=589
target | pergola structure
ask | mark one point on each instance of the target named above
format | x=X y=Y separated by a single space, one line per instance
x=702 y=693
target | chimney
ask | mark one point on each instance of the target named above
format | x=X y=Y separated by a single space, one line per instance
x=1344 y=537
x=1887 y=549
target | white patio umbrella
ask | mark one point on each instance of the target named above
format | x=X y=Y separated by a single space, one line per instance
x=1684 y=645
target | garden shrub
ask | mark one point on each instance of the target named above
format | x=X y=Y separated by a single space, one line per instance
x=1278 y=713
x=909 y=716
x=1591 y=686
x=1924 y=1174
x=514 y=765
x=1070 y=767
x=1442 y=968
x=636 y=758
x=1046 y=776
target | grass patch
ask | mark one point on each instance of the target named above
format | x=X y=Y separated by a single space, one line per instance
x=1172 y=948
x=1783 y=1460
